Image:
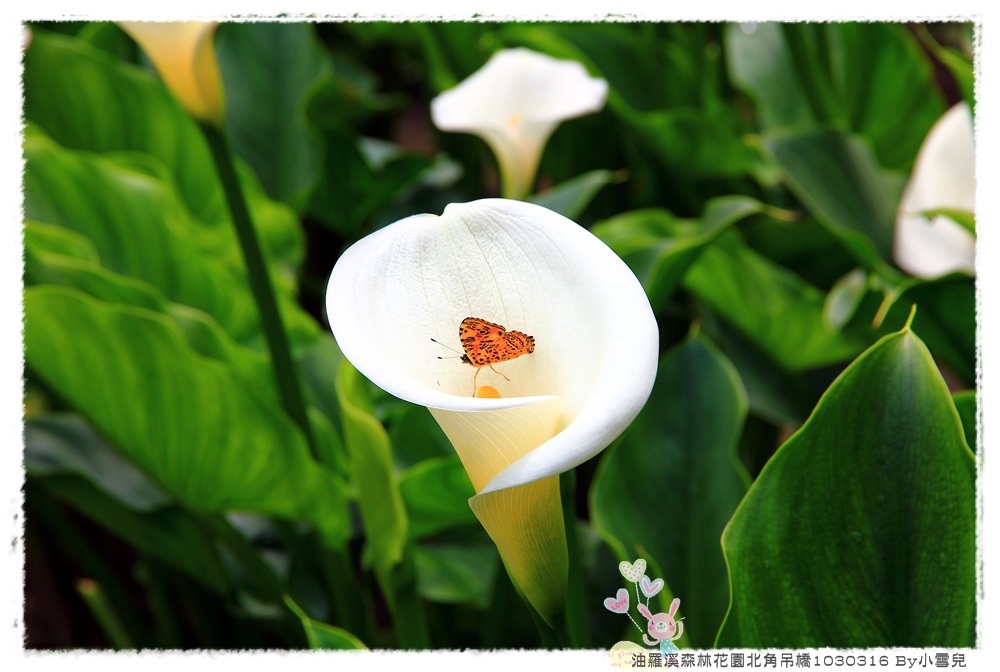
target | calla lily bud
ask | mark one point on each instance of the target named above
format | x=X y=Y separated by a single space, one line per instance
x=590 y=371
x=514 y=103
x=183 y=54
x=929 y=242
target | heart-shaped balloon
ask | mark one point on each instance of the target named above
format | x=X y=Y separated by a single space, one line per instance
x=650 y=588
x=632 y=572
x=618 y=603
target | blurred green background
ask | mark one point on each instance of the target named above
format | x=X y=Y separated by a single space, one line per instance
x=749 y=174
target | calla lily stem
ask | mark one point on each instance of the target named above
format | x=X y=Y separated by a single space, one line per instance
x=285 y=372
x=577 y=601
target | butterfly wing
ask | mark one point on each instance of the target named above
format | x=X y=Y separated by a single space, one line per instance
x=487 y=343
x=478 y=338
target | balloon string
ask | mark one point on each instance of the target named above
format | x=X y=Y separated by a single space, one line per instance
x=633 y=622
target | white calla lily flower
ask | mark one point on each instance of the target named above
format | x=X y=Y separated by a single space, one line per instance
x=529 y=269
x=514 y=103
x=943 y=179
x=183 y=54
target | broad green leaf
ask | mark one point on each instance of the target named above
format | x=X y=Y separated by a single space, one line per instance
x=643 y=73
x=462 y=574
x=967 y=407
x=199 y=431
x=318 y=365
x=416 y=437
x=84 y=99
x=436 y=493
x=946 y=318
x=73 y=464
x=354 y=188
x=268 y=70
x=761 y=65
x=802 y=245
x=571 y=198
x=773 y=308
x=659 y=248
x=666 y=491
x=887 y=86
x=451 y=50
x=869 y=78
x=864 y=521
x=836 y=176
x=379 y=500
x=691 y=143
x=139 y=228
x=64 y=443
x=349 y=93
x=323 y=636
x=45 y=264
x=106 y=36
x=775 y=394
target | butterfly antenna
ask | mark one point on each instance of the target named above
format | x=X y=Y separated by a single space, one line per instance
x=447 y=346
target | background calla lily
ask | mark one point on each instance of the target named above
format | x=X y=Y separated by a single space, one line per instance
x=182 y=53
x=593 y=367
x=943 y=179
x=514 y=103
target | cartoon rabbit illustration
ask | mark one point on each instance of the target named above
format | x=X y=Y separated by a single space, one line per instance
x=663 y=627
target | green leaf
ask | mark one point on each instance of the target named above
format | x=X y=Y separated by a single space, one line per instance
x=323 y=636
x=572 y=197
x=887 y=87
x=460 y=574
x=318 y=365
x=139 y=228
x=379 y=500
x=845 y=297
x=836 y=176
x=666 y=491
x=415 y=435
x=774 y=308
x=66 y=444
x=84 y=99
x=775 y=394
x=73 y=464
x=967 y=406
x=354 y=187
x=691 y=143
x=864 y=521
x=946 y=318
x=659 y=248
x=268 y=70
x=958 y=63
x=870 y=78
x=964 y=218
x=44 y=264
x=199 y=431
x=436 y=493
x=629 y=58
x=761 y=65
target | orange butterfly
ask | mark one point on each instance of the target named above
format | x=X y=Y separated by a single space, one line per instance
x=486 y=343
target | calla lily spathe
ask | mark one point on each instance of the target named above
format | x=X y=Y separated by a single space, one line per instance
x=183 y=54
x=530 y=269
x=943 y=179
x=514 y=103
